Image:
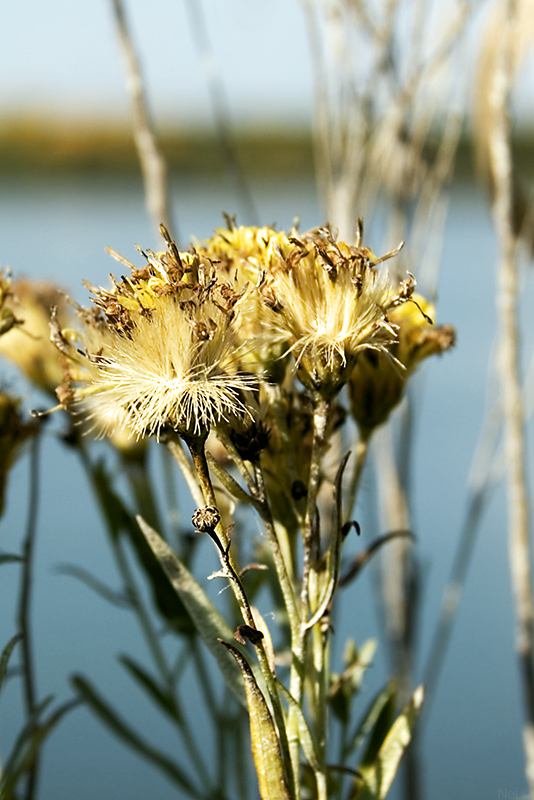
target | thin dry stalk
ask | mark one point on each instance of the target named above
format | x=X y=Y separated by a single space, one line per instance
x=152 y=161
x=221 y=111
x=509 y=372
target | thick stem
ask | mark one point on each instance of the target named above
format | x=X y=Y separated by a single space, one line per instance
x=310 y=552
x=278 y=558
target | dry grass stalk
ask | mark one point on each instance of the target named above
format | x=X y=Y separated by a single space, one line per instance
x=151 y=158
x=508 y=364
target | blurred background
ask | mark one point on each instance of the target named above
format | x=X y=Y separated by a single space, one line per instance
x=244 y=72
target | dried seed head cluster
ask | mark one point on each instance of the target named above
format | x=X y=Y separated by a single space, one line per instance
x=182 y=342
x=158 y=351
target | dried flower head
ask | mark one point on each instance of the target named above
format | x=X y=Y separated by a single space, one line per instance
x=245 y=255
x=159 y=351
x=328 y=302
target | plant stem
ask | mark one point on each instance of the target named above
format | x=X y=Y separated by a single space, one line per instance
x=278 y=558
x=507 y=307
x=197 y=448
x=196 y=445
x=311 y=548
x=153 y=166
x=24 y=609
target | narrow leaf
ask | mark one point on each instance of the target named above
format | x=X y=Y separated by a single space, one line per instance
x=11 y=558
x=384 y=714
x=208 y=621
x=362 y=558
x=121 y=521
x=370 y=717
x=23 y=751
x=161 y=698
x=6 y=655
x=264 y=738
x=378 y=778
x=123 y=731
x=334 y=553
x=118 y=599
x=305 y=736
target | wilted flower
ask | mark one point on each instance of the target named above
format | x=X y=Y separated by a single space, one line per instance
x=26 y=341
x=328 y=303
x=159 y=351
x=244 y=256
x=377 y=382
x=13 y=432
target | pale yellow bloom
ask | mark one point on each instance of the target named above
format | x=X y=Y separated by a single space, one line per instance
x=377 y=382
x=26 y=339
x=329 y=302
x=161 y=354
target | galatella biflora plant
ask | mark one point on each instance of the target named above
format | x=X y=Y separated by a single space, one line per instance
x=241 y=349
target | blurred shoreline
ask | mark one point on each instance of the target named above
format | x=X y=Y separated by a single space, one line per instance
x=34 y=145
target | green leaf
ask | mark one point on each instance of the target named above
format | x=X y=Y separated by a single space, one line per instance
x=6 y=655
x=120 y=520
x=28 y=743
x=370 y=718
x=123 y=731
x=305 y=736
x=163 y=699
x=118 y=599
x=384 y=714
x=264 y=737
x=344 y=687
x=11 y=558
x=209 y=623
x=376 y=779
x=334 y=551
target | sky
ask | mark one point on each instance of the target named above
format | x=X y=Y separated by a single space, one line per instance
x=61 y=57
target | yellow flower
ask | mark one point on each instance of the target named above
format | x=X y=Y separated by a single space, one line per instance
x=13 y=432
x=377 y=382
x=26 y=339
x=161 y=352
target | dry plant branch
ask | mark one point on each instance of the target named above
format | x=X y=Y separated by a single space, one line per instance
x=221 y=110
x=151 y=158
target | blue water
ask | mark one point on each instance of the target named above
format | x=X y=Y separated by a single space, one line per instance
x=471 y=740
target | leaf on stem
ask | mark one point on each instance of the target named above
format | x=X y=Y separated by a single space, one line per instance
x=6 y=655
x=334 y=552
x=208 y=621
x=377 y=778
x=264 y=737
x=11 y=558
x=28 y=743
x=162 y=698
x=123 y=731
x=121 y=521
x=119 y=599
x=362 y=558
x=305 y=736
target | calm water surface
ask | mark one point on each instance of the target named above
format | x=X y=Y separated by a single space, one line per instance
x=472 y=741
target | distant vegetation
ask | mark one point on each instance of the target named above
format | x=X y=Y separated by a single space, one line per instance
x=42 y=145
x=33 y=144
